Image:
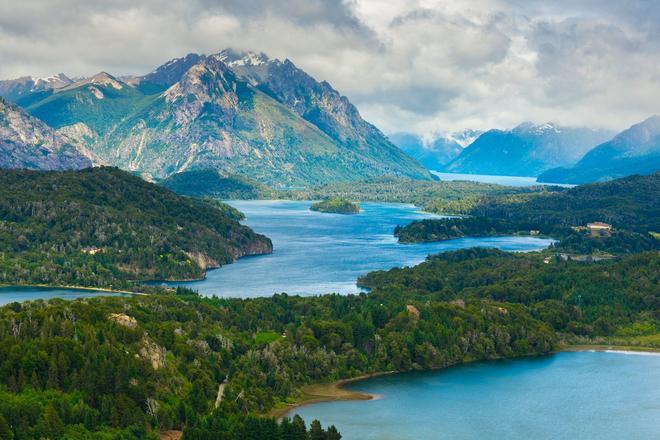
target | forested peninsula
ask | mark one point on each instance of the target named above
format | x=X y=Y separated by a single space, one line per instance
x=103 y=227
x=576 y=217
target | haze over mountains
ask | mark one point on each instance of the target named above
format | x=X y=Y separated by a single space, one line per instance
x=435 y=153
x=526 y=150
x=633 y=151
x=235 y=112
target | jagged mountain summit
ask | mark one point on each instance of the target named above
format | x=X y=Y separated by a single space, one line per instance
x=436 y=152
x=526 y=150
x=16 y=90
x=26 y=142
x=633 y=151
x=239 y=113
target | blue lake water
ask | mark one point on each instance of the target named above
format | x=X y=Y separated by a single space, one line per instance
x=317 y=253
x=500 y=180
x=583 y=395
x=19 y=294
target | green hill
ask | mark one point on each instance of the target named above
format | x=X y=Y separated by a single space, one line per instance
x=103 y=226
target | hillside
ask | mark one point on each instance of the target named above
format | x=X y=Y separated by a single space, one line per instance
x=526 y=150
x=209 y=112
x=212 y=183
x=630 y=205
x=26 y=142
x=633 y=151
x=103 y=226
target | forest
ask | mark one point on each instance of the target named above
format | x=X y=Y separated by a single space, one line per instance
x=130 y=367
x=336 y=206
x=631 y=205
x=103 y=227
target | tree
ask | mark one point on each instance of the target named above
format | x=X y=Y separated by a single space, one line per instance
x=316 y=432
x=5 y=430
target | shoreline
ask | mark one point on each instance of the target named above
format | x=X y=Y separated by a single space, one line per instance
x=335 y=391
x=328 y=392
x=73 y=287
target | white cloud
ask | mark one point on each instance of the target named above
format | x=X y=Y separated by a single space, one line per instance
x=413 y=65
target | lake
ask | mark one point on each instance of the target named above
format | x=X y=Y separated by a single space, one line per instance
x=581 y=395
x=500 y=180
x=317 y=253
x=19 y=294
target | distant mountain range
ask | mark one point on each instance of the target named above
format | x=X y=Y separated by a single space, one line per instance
x=26 y=142
x=439 y=151
x=526 y=150
x=633 y=151
x=239 y=113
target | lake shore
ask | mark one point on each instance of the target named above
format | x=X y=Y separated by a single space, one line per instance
x=336 y=391
x=73 y=287
x=328 y=392
x=610 y=348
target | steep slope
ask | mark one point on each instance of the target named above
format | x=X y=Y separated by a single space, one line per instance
x=103 y=226
x=526 y=150
x=94 y=105
x=197 y=112
x=633 y=151
x=434 y=154
x=26 y=142
x=210 y=119
x=323 y=106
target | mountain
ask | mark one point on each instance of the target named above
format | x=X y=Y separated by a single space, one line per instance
x=103 y=226
x=237 y=113
x=434 y=154
x=24 y=89
x=633 y=151
x=26 y=142
x=526 y=150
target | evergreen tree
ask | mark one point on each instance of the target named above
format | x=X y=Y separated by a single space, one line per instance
x=5 y=430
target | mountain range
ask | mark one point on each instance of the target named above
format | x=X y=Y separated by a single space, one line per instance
x=526 y=150
x=633 y=151
x=26 y=142
x=434 y=154
x=239 y=113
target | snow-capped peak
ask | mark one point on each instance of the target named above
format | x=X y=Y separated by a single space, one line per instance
x=234 y=58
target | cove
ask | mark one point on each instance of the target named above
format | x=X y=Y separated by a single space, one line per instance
x=316 y=253
x=572 y=395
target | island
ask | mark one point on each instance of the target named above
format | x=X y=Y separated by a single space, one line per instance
x=336 y=206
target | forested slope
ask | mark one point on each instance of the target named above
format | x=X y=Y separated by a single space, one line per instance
x=103 y=226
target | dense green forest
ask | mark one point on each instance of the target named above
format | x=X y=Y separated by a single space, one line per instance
x=103 y=226
x=129 y=367
x=212 y=183
x=428 y=230
x=336 y=206
x=630 y=204
x=443 y=197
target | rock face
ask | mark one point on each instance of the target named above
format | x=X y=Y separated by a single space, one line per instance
x=26 y=142
x=153 y=353
x=633 y=151
x=123 y=320
x=527 y=150
x=238 y=113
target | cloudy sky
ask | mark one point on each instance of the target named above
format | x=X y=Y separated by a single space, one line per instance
x=409 y=65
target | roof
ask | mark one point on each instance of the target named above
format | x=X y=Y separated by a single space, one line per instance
x=598 y=225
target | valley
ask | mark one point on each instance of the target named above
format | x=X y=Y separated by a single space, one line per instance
x=222 y=246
